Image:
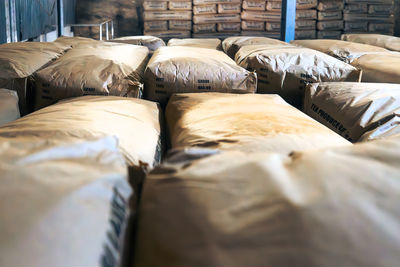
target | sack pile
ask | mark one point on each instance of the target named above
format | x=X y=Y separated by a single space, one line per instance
x=330 y=19
x=167 y=19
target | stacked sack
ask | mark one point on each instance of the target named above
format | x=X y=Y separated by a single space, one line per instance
x=167 y=19
x=216 y=18
x=375 y=16
x=330 y=19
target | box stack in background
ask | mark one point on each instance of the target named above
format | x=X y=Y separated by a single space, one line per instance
x=306 y=16
x=369 y=16
x=330 y=19
x=167 y=19
x=216 y=18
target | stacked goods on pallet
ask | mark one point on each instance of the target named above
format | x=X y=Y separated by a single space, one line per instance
x=135 y=122
x=92 y=69
x=372 y=16
x=246 y=122
x=123 y=13
x=9 y=110
x=212 y=43
x=183 y=69
x=73 y=194
x=151 y=42
x=216 y=18
x=252 y=25
x=330 y=19
x=232 y=45
x=379 y=67
x=20 y=60
x=372 y=113
x=167 y=19
x=236 y=206
x=345 y=51
x=286 y=70
x=385 y=41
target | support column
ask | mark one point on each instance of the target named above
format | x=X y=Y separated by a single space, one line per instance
x=288 y=20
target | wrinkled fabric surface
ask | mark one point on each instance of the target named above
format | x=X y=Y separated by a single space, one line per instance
x=249 y=122
x=95 y=69
x=151 y=42
x=345 y=51
x=232 y=45
x=286 y=70
x=379 y=67
x=385 y=41
x=64 y=204
x=352 y=109
x=9 y=110
x=181 y=69
x=135 y=122
x=74 y=41
x=211 y=43
x=326 y=207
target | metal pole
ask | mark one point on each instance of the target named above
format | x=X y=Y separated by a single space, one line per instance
x=60 y=18
x=107 y=37
x=101 y=31
x=112 y=29
x=288 y=20
x=13 y=20
x=8 y=22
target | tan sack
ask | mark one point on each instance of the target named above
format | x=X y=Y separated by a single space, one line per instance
x=65 y=204
x=135 y=122
x=385 y=41
x=216 y=18
x=379 y=67
x=169 y=34
x=182 y=69
x=346 y=51
x=286 y=70
x=232 y=45
x=206 y=9
x=74 y=41
x=261 y=15
x=185 y=25
x=155 y=5
x=313 y=208
x=9 y=110
x=330 y=5
x=153 y=26
x=151 y=42
x=372 y=105
x=212 y=43
x=254 y=5
x=167 y=15
x=249 y=122
x=20 y=60
x=102 y=69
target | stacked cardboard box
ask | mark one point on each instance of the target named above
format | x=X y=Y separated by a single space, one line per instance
x=372 y=16
x=330 y=19
x=216 y=18
x=259 y=16
x=167 y=19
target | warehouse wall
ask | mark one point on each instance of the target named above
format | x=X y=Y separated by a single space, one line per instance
x=3 y=35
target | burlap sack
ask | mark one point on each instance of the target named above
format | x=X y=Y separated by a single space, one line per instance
x=228 y=27
x=379 y=67
x=249 y=122
x=167 y=15
x=260 y=15
x=180 y=5
x=253 y=25
x=179 y=69
x=372 y=105
x=232 y=45
x=204 y=10
x=169 y=34
x=286 y=70
x=314 y=208
x=67 y=204
x=151 y=42
x=345 y=51
x=385 y=41
x=330 y=5
x=204 y=28
x=101 y=69
x=135 y=122
x=193 y=42
x=330 y=25
x=155 y=26
x=20 y=60
x=185 y=25
x=155 y=5
x=255 y=5
x=229 y=8
x=9 y=110
x=216 y=18
x=329 y=35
